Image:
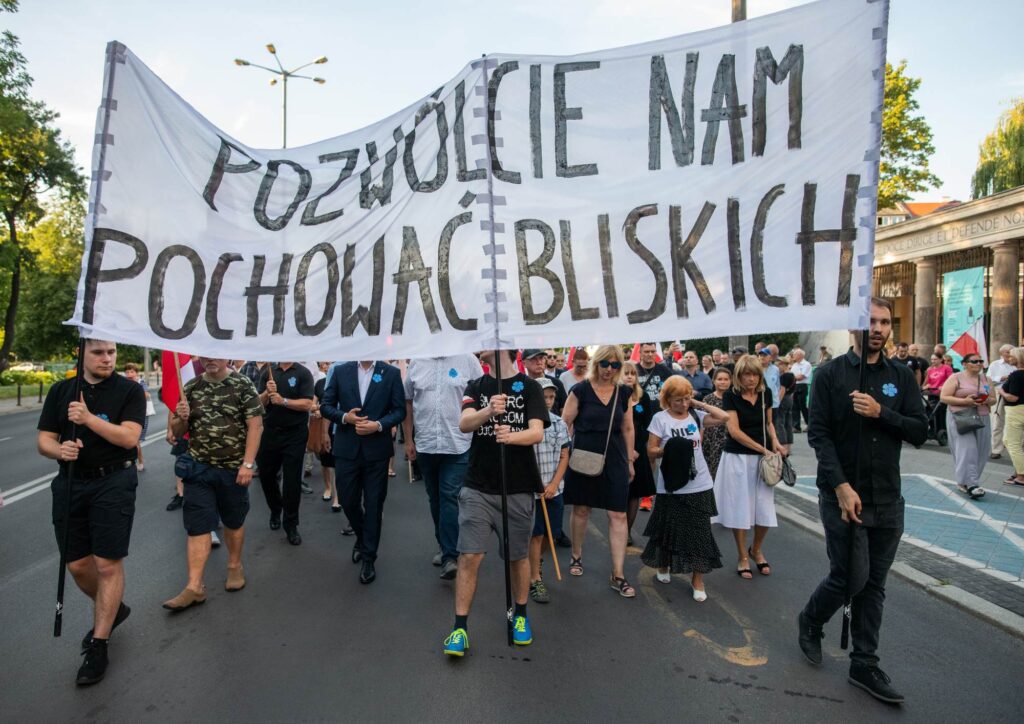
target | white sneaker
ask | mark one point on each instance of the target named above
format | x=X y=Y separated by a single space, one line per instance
x=437 y=559
x=663 y=577
x=214 y=540
x=700 y=595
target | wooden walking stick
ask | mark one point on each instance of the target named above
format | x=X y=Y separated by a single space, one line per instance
x=551 y=538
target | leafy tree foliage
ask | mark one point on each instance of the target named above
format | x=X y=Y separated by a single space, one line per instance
x=906 y=141
x=1001 y=155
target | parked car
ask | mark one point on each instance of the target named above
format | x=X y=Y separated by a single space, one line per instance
x=24 y=367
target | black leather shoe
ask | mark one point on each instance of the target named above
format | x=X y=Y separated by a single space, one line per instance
x=275 y=521
x=293 y=536
x=368 y=572
x=346 y=531
x=122 y=613
x=176 y=503
x=356 y=555
x=810 y=639
x=874 y=681
x=563 y=541
x=95 y=664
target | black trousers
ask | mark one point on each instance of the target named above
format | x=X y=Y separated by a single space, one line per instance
x=800 y=413
x=875 y=543
x=283 y=449
x=362 y=489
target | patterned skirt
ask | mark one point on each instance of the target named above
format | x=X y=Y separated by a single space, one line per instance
x=679 y=534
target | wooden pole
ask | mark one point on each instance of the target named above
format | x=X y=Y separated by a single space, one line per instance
x=739 y=10
x=551 y=538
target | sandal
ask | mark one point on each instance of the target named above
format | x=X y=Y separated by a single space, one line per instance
x=761 y=567
x=745 y=573
x=974 y=492
x=1014 y=480
x=576 y=566
x=622 y=586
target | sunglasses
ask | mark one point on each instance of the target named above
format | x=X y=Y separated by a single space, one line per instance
x=972 y=361
x=605 y=364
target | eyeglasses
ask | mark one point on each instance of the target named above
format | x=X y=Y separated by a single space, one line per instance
x=972 y=361
x=605 y=364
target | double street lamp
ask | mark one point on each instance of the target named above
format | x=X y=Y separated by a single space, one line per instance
x=284 y=75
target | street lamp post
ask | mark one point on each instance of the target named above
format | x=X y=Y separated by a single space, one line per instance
x=284 y=75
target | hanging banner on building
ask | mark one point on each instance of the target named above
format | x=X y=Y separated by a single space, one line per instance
x=722 y=182
x=963 y=304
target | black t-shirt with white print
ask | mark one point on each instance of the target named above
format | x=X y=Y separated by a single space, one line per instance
x=652 y=379
x=525 y=402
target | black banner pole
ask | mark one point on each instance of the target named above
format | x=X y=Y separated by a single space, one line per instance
x=862 y=383
x=58 y=616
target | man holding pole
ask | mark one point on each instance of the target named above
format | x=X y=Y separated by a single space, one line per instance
x=510 y=413
x=91 y=425
x=857 y=433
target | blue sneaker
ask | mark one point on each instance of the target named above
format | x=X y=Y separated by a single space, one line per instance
x=457 y=643
x=522 y=635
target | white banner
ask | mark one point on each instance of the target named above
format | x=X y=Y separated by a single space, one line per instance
x=722 y=182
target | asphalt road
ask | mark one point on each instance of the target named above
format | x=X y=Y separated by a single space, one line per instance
x=306 y=642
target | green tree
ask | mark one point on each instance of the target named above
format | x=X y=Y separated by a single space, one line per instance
x=1001 y=155
x=34 y=162
x=906 y=141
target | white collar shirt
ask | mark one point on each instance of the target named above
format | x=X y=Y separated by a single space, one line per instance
x=435 y=387
x=803 y=367
x=999 y=371
x=364 y=375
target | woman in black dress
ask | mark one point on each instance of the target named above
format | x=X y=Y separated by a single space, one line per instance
x=592 y=405
x=715 y=437
x=642 y=484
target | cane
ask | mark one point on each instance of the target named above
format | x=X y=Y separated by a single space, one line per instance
x=551 y=538
x=58 y=616
x=862 y=383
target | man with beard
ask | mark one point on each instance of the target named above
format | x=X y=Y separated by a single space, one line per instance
x=651 y=374
x=861 y=505
x=916 y=364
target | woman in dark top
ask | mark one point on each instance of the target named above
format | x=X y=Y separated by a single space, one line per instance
x=715 y=437
x=787 y=386
x=324 y=429
x=591 y=405
x=741 y=495
x=1012 y=392
x=642 y=484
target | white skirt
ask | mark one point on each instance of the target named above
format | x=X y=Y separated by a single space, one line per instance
x=743 y=499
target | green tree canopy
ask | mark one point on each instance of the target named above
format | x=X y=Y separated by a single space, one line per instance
x=906 y=141
x=1001 y=155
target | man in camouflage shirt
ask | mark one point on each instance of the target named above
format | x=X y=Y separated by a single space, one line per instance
x=223 y=417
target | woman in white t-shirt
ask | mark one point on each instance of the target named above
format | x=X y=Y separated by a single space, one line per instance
x=679 y=530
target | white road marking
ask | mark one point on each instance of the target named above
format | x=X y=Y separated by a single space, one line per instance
x=24 y=490
x=5 y=439
x=999 y=526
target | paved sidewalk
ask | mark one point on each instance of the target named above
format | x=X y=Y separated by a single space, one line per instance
x=28 y=403
x=975 y=545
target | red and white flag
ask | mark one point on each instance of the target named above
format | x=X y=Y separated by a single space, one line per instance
x=973 y=341
x=169 y=392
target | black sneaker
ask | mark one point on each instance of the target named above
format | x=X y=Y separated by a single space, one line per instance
x=810 y=639
x=874 y=681
x=275 y=521
x=122 y=614
x=563 y=541
x=175 y=503
x=95 y=665
x=293 y=536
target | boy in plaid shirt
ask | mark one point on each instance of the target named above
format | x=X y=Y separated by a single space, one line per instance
x=552 y=460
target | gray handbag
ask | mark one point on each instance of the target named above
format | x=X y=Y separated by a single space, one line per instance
x=590 y=463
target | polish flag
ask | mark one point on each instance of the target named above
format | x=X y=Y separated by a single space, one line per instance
x=635 y=354
x=519 y=361
x=169 y=392
x=973 y=341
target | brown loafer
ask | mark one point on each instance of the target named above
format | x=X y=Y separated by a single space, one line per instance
x=236 y=580
x=186 y=599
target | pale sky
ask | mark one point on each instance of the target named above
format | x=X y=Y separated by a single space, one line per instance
x=384 y=55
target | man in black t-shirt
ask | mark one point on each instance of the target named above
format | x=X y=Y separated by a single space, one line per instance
x=651 y=374
x=916 y=364
x=286 y=392
x=107 y=421
x=515 y=416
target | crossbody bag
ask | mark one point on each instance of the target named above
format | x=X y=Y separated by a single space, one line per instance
x=590 y=463
x=771 y=464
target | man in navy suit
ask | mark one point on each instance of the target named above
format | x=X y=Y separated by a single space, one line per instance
x=366 y=400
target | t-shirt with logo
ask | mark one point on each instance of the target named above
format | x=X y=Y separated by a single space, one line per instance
x=115 y=399
x=294 y=383
x=664 y=426
x=652 y=380
x=218 y=412
x=525 y=402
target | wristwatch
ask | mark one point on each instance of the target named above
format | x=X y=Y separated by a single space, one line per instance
x=248 y=466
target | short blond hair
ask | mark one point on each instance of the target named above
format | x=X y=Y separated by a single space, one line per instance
x=638 y=391
x=748 y=363
x=1018 y=356
x=675 y=386
x=611 y=352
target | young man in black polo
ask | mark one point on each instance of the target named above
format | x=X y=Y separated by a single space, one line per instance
x=108 y=419
x=865 y=512
x=286 y=393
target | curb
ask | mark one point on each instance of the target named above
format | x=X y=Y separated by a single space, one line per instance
x=977 y=606
x=14 y=410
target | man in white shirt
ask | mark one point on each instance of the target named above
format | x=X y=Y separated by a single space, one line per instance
x=801 y=370
x=998 y=371
x=433 y=401
x=578 y=372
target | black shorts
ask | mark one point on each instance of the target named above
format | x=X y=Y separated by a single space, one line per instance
x=102 y=511
x=327 y=459
x=211 y=495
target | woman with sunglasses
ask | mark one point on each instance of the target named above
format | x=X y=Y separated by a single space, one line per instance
x=599 y=414
x=968 y=390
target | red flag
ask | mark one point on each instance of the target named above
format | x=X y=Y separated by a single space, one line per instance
x=169 y=392
x=635 y=354
x=568 y=358
x=972 y=341
x=519 y=361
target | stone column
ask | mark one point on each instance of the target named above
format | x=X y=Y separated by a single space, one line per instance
x=925 y=293
x=1005 y=294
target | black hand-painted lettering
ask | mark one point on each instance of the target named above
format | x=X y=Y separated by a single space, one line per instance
x=792 y=67
x=575 y=310
x=846 y=235
x=221 y=167
x=535 y=132
x=444 y=286
x=657 y=307
x=462 y=172
x=682 y=259
x=96 y=275
x=266 y=186
x=213 y=297
x=757 y=249
x=156 y=292
x=368 y=192
x=368 y=317
x=302 y=324
x=537 y=268
x=441 y=166
x=256 y=289
x=412 y=269
x=309 y=215
x=680 y=123
x=512 y=177
x=563 y=114
x=732 y=216
x=724 y=106
x=604 y=241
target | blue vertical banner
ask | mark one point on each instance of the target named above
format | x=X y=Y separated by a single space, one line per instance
x=963 y=303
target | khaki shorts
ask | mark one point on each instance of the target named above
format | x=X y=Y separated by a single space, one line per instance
x=480 y=514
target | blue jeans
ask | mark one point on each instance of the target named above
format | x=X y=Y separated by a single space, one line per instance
x=442 y=477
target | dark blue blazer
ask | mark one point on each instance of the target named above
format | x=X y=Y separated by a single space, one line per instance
x=385 y=403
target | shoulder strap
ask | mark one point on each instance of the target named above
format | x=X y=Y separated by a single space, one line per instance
x=764 y=420
x=615 y=403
